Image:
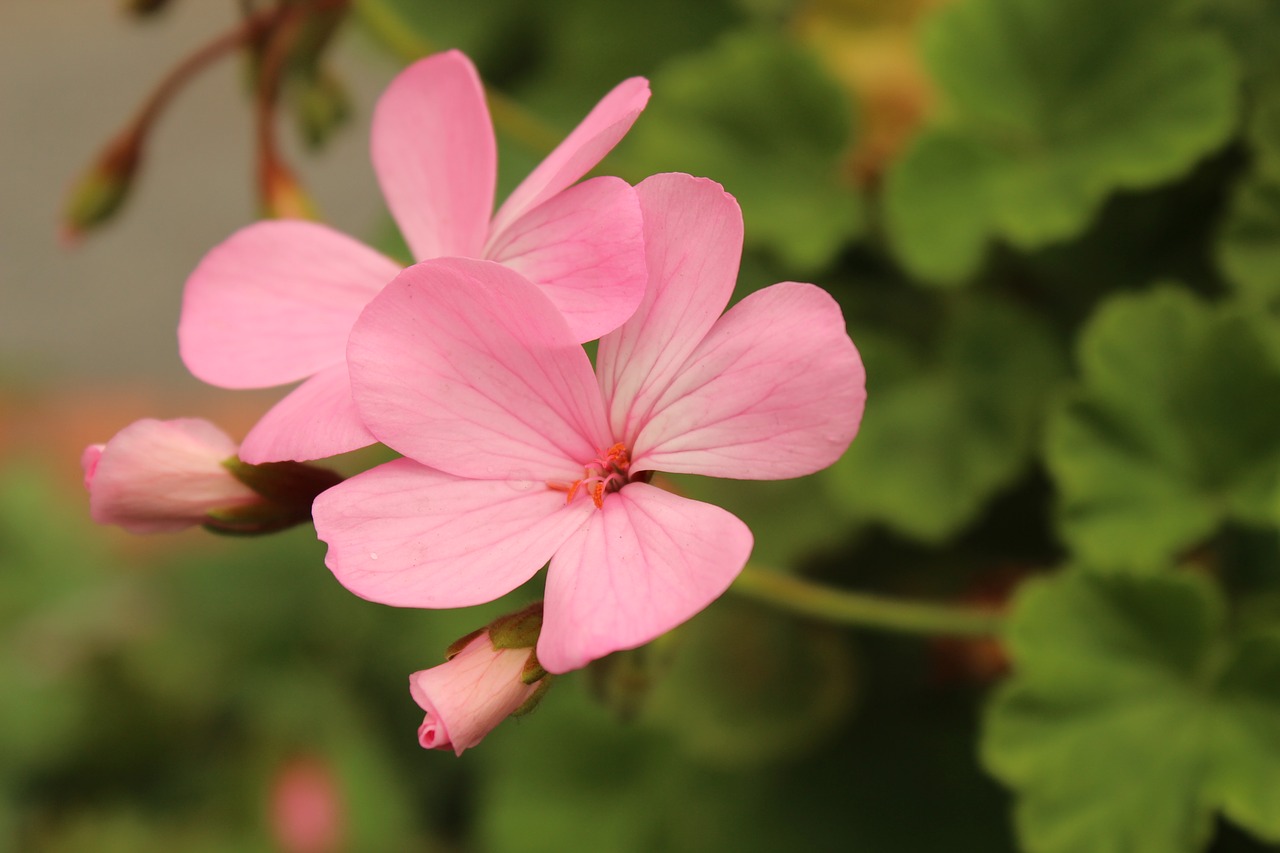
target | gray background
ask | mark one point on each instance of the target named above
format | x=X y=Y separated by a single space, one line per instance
x=71 y=73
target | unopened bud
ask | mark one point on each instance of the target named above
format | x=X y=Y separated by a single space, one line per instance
x=321 y=105
x=102 y=190
x=482 y=682
x=163 y=476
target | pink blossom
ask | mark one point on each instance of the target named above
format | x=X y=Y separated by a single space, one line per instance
x=159 y=476
x=517 y=454
x=468 y=695
x=308 y=810
x=274 y=302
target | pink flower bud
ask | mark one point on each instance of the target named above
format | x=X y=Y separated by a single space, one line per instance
x=161 y=476
x=307 y=808
x=468 y=695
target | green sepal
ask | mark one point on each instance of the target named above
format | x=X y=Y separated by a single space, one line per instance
x=287 y=490
x=533 y=670
x=534 y=698
x=461 y=643
x=517 y=630
x=286 y=483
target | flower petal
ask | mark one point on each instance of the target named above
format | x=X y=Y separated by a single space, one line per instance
x=693 y=236
x=434 y=152
x=465 y=366
x=406 y=535
x=274 y=303
x=161 y=476
x=775 y=390
x=585 y=249
x=644 y=563
x=593 y=138
x=316 y=419
x=467 y=696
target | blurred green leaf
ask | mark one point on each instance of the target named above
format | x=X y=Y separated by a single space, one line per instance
x=1251 y=27
x=1132 y=716
x=938 y=442
x=791 y=520
x=1249 y=246
x=748 y=685
x=410 y=29
x=1050 y=107
x=587 y=46
x=758 y=114
x=577 y=779
x=1172 y=431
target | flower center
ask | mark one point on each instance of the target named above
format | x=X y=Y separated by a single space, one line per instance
x=608 y=472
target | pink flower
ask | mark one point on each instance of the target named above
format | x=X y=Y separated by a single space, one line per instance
x=468 y=695
x=274 y=302
x=307 y=808
x=160 y=476
x=517 y=453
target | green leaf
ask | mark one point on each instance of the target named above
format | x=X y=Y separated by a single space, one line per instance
x=748 y=685
x=410 y=29
x=1050 y=108
x=1133 y=715
x=938 y=442
x=1251 y=27
x=1249 y=246
x=1171 y=432
x=760 y=115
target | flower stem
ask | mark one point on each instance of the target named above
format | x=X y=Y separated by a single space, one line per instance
x=808 y=598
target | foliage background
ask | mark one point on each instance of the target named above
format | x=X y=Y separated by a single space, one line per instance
x=1055 y=232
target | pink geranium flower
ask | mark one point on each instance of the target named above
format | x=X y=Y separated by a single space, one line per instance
x=468 y=695
x=161 y=476
x=274 y=302
x=517 y=453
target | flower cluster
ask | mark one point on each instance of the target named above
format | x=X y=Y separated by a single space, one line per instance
x=518 y=452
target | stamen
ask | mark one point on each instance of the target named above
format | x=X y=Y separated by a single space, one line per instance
x=608 y=472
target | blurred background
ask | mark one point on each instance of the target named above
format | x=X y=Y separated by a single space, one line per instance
x=1053 y=228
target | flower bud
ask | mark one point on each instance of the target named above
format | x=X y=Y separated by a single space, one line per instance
x=483 y=682
x=163 y=476
x=321 y=105
x=307 y=807
x=102 y=190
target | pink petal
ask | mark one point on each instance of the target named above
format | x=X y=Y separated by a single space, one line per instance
x=465 y=366
x=406 y=535
x=693 y=234
x=317 y=419
x=775 y=390
x=434 y=152
x=646 y=562
x=585 y=249
x=467 y=696
x=274 y=302
x=581 y=150
x=162 y=476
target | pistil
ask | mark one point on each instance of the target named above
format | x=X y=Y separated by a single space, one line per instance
x=608 y=472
